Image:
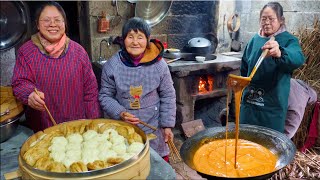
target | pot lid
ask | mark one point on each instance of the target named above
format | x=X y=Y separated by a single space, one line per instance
x=199 y=42
x=152 y=11
x=13 y=23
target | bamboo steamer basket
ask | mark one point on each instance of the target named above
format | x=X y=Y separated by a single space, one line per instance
x=137 y=167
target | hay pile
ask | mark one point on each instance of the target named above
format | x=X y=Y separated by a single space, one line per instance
x=310 y=44
x=304 y=166
x=309 y=73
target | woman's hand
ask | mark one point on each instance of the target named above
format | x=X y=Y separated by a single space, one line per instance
x=273 y=47
x=130 y=118
x=36 y=102
x=168 y=134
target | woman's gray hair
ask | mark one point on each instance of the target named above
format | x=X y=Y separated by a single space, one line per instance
x=136 y=24
x=278 y=9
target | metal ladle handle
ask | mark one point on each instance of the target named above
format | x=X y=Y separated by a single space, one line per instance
x=261 y=58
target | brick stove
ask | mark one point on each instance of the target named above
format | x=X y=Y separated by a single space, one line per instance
x=201 y=88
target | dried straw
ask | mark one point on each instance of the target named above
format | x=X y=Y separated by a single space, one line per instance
x=310 y=45
x=309 y=73
x=304 y=166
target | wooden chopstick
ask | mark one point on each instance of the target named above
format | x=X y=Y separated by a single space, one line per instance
x=174 y=150
x=149 y=126
x=51 y=118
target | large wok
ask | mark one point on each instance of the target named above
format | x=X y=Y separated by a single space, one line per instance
x=275 y=141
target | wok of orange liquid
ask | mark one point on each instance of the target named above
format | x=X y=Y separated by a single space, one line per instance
x=253 y=159
x=234 y=157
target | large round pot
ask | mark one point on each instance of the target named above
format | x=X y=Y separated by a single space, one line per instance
x=8 y=127
x=13 y=22
x=137 y=167
x=199 y=45
x=153 y=12
x=275 y=141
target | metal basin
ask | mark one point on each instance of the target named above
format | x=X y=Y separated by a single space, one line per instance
x=153 y=12
x=8 y=127
x=275 y=141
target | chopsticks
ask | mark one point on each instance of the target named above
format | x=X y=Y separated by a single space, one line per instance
x=149 y=126
x=174 y=153
x=141 y=122
x=173 y=60
x=51 y=118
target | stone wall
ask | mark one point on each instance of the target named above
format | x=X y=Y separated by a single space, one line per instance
x=297 y=13
x=185 y=20
x=188 y=19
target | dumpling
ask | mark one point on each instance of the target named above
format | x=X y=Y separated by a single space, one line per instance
x=57 y=147
x=104 y=155
x=58 y=156
x=33 y=154
x=135 y=147
x=115 y=160
x=111 y=132
x=105 y=145
x=97 y=164
x=57 y=167
x=74 y=155
x=39 y=139
x=59 y=140
x=127 y=156
x=78 y=167
x=117 y=139
x=119 y=148
x=101 y=137
x=43 y=163
x=73 y=147
x=90 y=144
x=89 y=135
x=75 y=138
x=67 y=162
x=89 y=155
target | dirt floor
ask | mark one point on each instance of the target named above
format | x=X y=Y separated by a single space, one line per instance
x=183 y=171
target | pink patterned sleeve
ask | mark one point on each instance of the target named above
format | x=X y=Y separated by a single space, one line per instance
x=23 y=80
x=92 y=105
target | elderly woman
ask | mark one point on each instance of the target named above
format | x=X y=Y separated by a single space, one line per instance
x=61 y=71
x=265 y=100
x=136 y=85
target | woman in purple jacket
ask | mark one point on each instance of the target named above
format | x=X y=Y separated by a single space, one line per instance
x=136 y=85
x=59 y=68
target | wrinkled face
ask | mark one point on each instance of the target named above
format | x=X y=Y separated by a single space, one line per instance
x=269 y=22
x=51 y=24
x=135 y=43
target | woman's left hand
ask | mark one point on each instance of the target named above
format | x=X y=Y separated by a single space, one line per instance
x=273 y=47
x=168 y=134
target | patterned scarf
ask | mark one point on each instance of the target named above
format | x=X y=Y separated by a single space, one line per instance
x=53 y=49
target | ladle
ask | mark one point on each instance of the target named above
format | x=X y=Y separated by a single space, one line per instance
x=117 y=19
x=237 y=84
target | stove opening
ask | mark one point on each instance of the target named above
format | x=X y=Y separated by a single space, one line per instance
x=205 y=84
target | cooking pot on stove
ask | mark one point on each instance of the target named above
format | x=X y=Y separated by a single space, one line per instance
x=199 y=45
x=13 y=23
x=275 y=141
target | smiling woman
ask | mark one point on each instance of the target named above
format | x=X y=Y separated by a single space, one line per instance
x=48 y=62
x=136 y=85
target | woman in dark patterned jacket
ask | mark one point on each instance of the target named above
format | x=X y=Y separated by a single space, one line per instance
x=136 y=85
x=59 y=68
